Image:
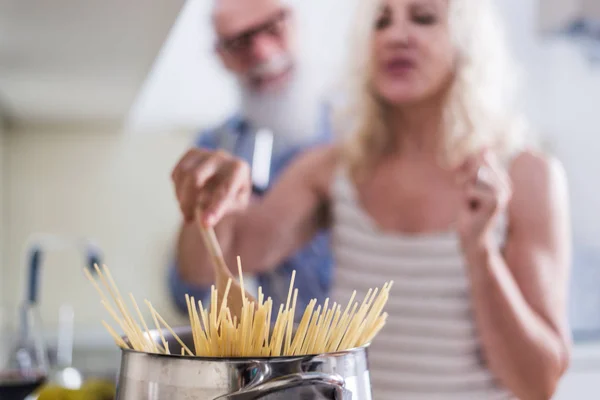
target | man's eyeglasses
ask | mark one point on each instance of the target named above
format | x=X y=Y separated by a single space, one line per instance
x=242 y=42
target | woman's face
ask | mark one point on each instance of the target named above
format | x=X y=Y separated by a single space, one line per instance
x=412 y=50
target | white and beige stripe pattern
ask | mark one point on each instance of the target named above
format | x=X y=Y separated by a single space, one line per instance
x=429 y=348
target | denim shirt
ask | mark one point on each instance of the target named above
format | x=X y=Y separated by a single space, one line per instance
x=313 y=263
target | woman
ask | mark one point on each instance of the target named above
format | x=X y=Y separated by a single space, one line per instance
x=432 y=189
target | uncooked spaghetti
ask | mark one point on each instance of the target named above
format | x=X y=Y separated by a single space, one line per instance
x=215 y=333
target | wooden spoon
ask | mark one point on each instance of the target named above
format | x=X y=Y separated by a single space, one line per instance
x=235 y=296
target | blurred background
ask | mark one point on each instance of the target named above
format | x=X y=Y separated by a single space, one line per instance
x=98 y=99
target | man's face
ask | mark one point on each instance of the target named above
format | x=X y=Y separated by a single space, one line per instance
x=254 y=41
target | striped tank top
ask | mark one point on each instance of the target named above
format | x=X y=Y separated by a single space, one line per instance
x=429 y=348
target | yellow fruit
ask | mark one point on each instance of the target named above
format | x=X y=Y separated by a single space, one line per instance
x=91 y=390
x=99 y=390
x=53 y=392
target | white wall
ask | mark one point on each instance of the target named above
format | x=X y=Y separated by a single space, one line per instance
x=104 y=185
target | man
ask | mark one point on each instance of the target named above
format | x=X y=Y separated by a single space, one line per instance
x=279 y=94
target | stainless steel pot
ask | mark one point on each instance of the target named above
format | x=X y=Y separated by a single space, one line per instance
x=336 y=376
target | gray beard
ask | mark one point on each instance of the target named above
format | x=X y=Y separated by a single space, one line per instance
x=292 y=113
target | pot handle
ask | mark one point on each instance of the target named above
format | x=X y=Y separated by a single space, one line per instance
x=286 y=382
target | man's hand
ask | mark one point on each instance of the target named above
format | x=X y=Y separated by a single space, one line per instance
x=214 y=182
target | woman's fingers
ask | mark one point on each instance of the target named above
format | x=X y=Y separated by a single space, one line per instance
x=467 y=171
x=500 y=173
x=482 y=169
x=486 y=199
x=486 y=183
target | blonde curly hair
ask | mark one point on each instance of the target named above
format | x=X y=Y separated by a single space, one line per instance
x=479 y=110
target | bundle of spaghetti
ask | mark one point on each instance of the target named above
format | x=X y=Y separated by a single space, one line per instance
x=215 y=333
